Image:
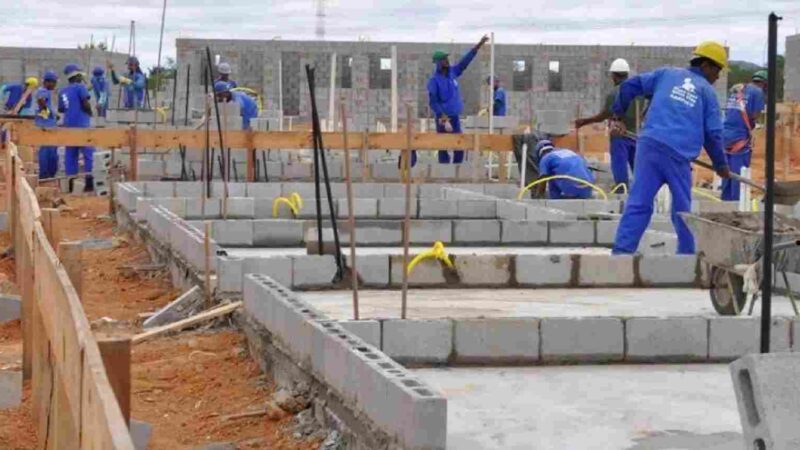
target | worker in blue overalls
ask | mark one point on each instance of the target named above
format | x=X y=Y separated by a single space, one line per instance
x=561 y=162
x=745 y=103
x=134 y=84
x=445 y=97
x=74 y=103
x=683 y=117
x=100 y=88
x=14 y=93
x=622 y=145
x=498 y=97
x=46 y=118
x=248 y=108
x=224 y=70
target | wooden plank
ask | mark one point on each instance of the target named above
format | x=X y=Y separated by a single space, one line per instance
x=50 y=219
x=189 y=321
x=71 y=255
x=116 y=354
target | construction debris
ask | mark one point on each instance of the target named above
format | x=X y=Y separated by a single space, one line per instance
x=185 y=323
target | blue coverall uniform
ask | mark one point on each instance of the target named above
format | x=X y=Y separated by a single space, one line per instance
x=100 y=88
x=247 y=108
x=566 y=162
x=46 y=118
x=70 y=100
x=134 y=91
x=744 y=99
x=445 y=101
x=14 y=92
x=499 y=107
x=229 y=83
x=683 y=117
x=622 y=149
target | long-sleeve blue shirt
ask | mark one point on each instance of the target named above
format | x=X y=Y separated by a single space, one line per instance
x=443 y=92
x=499 y=101
x=684 y=114
x=14 y=91
x=747 y=98
x=40 y=120
x=562 y=161
x=248 y=108
x=100 y=88
x=134 y=91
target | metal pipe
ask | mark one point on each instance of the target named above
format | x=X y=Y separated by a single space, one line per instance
x=216 y=104
x=317 y=197
x=188 y=79
x=159 y=74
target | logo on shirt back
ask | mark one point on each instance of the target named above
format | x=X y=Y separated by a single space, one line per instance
x=685 y=93
x=65 y=100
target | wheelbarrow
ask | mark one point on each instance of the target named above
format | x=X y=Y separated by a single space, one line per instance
x=731 y=244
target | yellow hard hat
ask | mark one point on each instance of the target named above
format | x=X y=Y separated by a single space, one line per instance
x=32 y=82
x=714 y=51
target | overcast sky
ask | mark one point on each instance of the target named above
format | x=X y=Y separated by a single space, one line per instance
x=742 y=24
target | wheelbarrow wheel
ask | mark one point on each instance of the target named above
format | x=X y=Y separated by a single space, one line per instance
x=727 y=287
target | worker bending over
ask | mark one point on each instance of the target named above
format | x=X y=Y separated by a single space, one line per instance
x=561 y=162
x=683 y=117
x=133 y=83
x=224 y=70
x=20 y=94
x=745 y=103
x=247 y=106
x=498 y=97
x=100 y=88
x=73 y=102
x=46 y=118
x=445 y=97
x=622 y=144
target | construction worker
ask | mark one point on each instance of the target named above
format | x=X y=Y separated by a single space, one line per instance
x=74 y=104
x=224 y=70
x=622 y=144
x=683 y=117
x=745 y=103
x=100 y=89
x=247 y=106
x=499 y=98
x=46 y=118
x=15 y=93
x=134 y=84
x=445 y=98
x=561 y=162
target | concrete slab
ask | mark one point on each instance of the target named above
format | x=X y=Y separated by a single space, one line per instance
x=10 y=307
x=10 y=388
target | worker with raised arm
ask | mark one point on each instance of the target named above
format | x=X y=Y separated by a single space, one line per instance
x=224 y=70
x=100 y=89
x=745 y=103
x=445 y=97
x=46 y=118
x=683 y=117
x=134 y=84
x=20 y=95
x=568 y=167
x=247 y=106
x=622 y=145
x=74 y=104
x=498 y=97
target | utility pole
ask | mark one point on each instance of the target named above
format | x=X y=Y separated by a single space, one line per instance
x=320 y=31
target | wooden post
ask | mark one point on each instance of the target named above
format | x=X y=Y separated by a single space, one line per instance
x=364 y=157
x=50 y=219
x=476 y=157
x=133 y=164
x=207 y=261
x=70 y=254
x=251 y=158
x=407 y=218
x=116 y=353
x=351 y=220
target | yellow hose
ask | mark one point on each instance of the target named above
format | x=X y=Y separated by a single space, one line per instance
x=436 y=252
x=620 y=185
x=162 y=111
x=702 y=193
x=293 y=201
x=560 y=177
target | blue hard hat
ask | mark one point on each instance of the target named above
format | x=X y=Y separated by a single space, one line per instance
x=543 y=146
x=221 y=86
x=50 y=76
x=70 y=70
x=133 y=60
x=98 y=71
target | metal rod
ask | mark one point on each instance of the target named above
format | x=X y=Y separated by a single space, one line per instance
x=351 y=220
x=264 y=159
x=769 y=207
x=407 y=215
x=159 y=74
x=216 y=104
x=317 y=197
x=186 y=109
x=207 y=162
x=174 y=97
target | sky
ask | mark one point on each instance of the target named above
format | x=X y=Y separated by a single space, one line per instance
x=740 y=24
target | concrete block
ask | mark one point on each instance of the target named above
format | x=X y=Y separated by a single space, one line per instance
x=476 y=231
x=313 y=271
x=426 y=232
x=656 y=242
x=367 y=330
x=582 y=339
x=362 y=208
x=602 y=207
x=373 y=270
x=239 y=208
x=571 y=206
x=477 y=209
x=523 y=232
x=385 y=171
x=544 y=270
x=309 y=210
x=190 y=302
x=606 y=270
x=483 y=270
x=236 y=233
x=767 y=393
x=234 y=189
x=395 y=208
x=10 y=388
x=140 y=434
x=550 y=214
x=668 y=270
x=511 y=210
x=367 y=190
x=10 y=307
x=606 y=232
x=305 y=190
x=264 y=190
x=573 y=232
x=190 y=189
x=429 y=272
x=398 y=190
x=279 y=268
x=418 y=341
x=278 y=233
x=159 y=189
x=781 y=335
x=501 y=190
x=443 y=171
x=431 y=208
x=198 y=209
x=663 y=339
x=230 y=271
x=496 y=340
x=732 y=337
x=296 y=171
x=374 y=232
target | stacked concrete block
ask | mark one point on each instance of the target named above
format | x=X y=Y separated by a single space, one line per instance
x=395 y=208
x=731 y=337
x=418 y=341
x=313 y=271
x=665 y=339
x=575 y=232
x=297 y=171
x=367 y=330
x=192 y=189
x=373 y=270
x=468 y=209
x=511 y=210
x=437 y=208
x=523 y=232
x=198 y=208
x=238 y=208
x=234 y=233
x=234 y=189
x=606 y=231
x=483 y=270
x=428 y=272
x=263 y=190
x=385 y=171
x=476 y=231
x=666 y=270
x=398 y=190
x=279 y=268
x=605 y=270
x=583 y=339
x=277 y=233
x=495 y=341
x=426 y=232
x=362 y=208
x=369 y=232
x=544 y=270
x=230 y=273
x=309 y=210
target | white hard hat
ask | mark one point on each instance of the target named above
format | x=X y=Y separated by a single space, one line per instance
x=619 y=66
x=224 y=68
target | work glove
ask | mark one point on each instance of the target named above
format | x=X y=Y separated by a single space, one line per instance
x=125 y=80
x=44 y=114
x=445 y=121
x=617 y=128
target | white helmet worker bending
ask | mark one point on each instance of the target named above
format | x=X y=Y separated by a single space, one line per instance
x=619 y=65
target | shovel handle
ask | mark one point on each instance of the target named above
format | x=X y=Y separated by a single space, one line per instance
x=734 y=176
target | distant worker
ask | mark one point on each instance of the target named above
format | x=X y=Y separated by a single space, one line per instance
x=745 y=103
x=134 y=84
x=445 y=98
x=248 y=108
x=224 y=70
x=499 y=97
x=74 y=103
x=100 y=88
x=561 y=162
x=683 y=117
x=15 y=93
x=46 y=118
x=622 y=144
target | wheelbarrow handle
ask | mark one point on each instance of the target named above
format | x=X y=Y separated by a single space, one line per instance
x=734 y=176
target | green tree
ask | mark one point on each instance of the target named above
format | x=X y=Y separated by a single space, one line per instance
x=742 y=71
x=157 y=75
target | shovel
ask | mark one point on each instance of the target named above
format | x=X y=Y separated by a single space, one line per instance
x=786 y=193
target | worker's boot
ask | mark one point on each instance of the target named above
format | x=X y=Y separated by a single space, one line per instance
x=89 y=184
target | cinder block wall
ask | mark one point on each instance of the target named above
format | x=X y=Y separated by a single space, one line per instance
x=16 y=63
x=583 y=71
x=791 y=71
